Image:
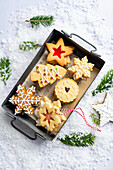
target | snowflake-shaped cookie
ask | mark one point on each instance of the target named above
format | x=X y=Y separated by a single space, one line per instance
x=81 y=68
x=48 y=116
x=24 y=100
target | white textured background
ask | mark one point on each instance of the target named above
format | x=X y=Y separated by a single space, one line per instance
x=93 y=20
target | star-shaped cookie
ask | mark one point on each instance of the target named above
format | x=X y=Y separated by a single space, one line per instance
x=105 y=109
x=58 y=52
x=81 y=68
x=48 y=116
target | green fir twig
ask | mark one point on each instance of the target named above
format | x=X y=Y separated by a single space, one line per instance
x=28 y=45
x=5 y=70
x=105 y=84
x=95 y=119
x=78 y=139
x=42 y=19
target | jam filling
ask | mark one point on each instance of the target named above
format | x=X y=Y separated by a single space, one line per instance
x=58 y=52
x=67 y=89
x=48 y=116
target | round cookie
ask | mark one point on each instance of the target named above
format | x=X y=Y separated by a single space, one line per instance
x=66 y=90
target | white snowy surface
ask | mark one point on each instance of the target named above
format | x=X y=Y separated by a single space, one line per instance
x=91 y=19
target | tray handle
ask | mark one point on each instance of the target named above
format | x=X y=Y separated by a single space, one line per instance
x=70 y=36
x=24 y=128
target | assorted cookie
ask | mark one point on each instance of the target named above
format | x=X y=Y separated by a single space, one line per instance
x=66 y=90
x=81 y=68
x=25 y=99
x=48 y=116
x=47 y=74
x=58 y=52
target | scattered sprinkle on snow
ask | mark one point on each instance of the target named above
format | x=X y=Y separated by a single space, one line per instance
x=21 y=153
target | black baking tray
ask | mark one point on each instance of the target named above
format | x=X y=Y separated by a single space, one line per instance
x=26 y=124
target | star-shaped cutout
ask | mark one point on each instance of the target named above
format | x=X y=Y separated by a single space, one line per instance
x=48 y=116
x=58 y=52
x=81 y=68
x=105 y=109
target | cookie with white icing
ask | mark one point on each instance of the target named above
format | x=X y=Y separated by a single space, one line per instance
x=81 y=68
x=47 y=74
x=105 y=109
x=25 y=99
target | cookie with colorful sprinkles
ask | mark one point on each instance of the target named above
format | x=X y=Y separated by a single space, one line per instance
x=47 y=74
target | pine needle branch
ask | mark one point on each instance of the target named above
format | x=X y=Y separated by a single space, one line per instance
x=78 y=139
x=28 y=45
x=105 y=84
x=95 y=119
x=5 y=71
x=42 y=19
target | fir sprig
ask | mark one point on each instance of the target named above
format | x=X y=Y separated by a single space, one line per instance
x=42 y=19
x=29 y=45
x=78 y=139
x=105 y=84
x=95 y=119
x=5 y=70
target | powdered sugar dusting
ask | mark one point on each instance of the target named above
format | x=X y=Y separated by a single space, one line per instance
x=18 y=152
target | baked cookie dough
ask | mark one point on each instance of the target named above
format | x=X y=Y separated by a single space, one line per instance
x=66 y=90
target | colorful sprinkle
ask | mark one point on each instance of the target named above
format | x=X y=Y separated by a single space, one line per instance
x=37 y=66
x=48 y=73
x=40 y=78
x=44 y=69
x=38 y=71
x=41 y=81
x=56 y=74
x=44 y=74
x=51 y=77
x=46 y=81
x=56 y=68
x=51 y=69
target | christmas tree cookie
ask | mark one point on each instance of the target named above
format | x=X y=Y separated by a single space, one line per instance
x=59 y=52
x=81 y=68
x=47 y=74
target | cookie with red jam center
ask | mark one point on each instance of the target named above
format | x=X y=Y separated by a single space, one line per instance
x=66 y=90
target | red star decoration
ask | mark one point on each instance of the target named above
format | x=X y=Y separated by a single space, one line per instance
x=48 y=116
x=58 y=52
